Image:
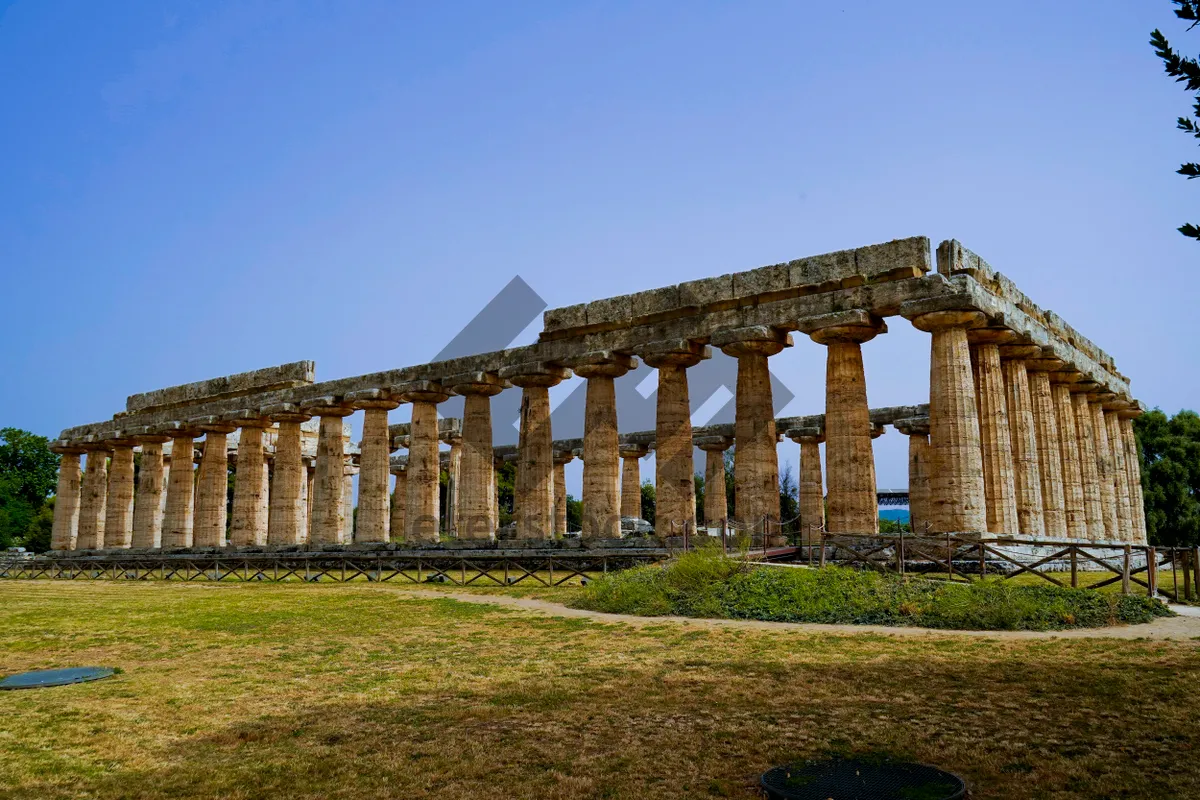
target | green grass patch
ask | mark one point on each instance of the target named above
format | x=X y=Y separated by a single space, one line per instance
x=706 y=583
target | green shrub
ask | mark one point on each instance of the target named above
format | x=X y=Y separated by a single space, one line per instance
x=705 y=583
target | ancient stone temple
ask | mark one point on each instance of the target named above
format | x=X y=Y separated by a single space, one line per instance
x=1023 y=430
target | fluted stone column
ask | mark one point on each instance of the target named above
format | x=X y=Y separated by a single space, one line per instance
x=66 y=497
x=310 y=481
x=264 y=498
x=1074 y=508
x=1045 y=423
x=849 y=458
x=328 y=506
x=919 y=468
x=399 y=498
x=93 y=497
x=755 y=458
x=476 y=473
x=166 y=457
x=810 y=485
x=995 y=439
x=957 y=500
x=349 y=533
x=631 y=482
x=601 y=464
x=1133 y=464
x=148 y=504
x=1104 y=471
x=372 y=525
x=287 y=510
x=1120 y=471
x=178 y=518
x=118 y=506
x=424 y=464
x=212 y=484
x=561 y=459
x=248 y=525
x=533 y=487
x=1092 y=504
x=716 y=504
x=674 y=452
x=1027 y=476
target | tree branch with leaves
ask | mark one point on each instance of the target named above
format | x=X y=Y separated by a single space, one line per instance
x=1187 y=71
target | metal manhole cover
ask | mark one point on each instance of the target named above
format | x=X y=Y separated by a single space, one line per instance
x=55 y=677
x=861 y=779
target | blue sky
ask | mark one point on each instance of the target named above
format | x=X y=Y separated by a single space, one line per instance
x=191 y=189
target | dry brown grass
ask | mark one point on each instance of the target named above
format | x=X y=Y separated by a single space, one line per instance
x=356 y=690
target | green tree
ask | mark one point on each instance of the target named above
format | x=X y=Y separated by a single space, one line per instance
x=1170 y=461
x=700 y=520
x=574 y=514
x=649 y=502
x=28 y=474
x=1187 y=71
x=789 y=500
x=506 y=479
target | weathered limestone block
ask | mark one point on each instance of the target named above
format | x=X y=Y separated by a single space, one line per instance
x=212 y=484
x=1104 y=471
x=372 y=523
x=284 y=376
x=755 y=460
x=1133 y=464
x=1092 y=505
x=287 y=510
x=957 y=500
x=1045 y=422
x=849 y=458
x=601 y=465
x=248 y=524
x=178 y=518
x=1120 y=471
x=328 y=512
x=421 y=507
x=93 y=497
x=1074 y=507
x=118 y=514
x=1027 y=477
x=716 y=506
x=995 y=439
x=66 y=504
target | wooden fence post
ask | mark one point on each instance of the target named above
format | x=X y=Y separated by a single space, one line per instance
x=1152 y=571
x=1074 y=568
x=1125 y=570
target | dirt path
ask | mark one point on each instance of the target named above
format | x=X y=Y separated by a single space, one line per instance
x=1185 y=626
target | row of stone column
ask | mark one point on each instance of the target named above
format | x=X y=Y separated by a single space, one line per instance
x=1020 y=444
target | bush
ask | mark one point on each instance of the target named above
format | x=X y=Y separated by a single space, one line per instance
x=705 y=583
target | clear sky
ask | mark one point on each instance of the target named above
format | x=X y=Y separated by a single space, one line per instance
x=191 y=189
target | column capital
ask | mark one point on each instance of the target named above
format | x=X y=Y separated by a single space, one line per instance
x=1045 y=364
x=66 y=447
x=563 y=457
x=753 y=340
x=534 y=373
x=717 y=444
x=285 y=412
x=95 y=444
x=420 y=392
x=326 y=406
x=397 y=469
x=1019 y=352
x=401 y=442
x=178 y=430
x=673 y=352
x=996 y=336
x=485 y=383
x=806 y=435
x=372 y=398
x=144 y=434
x=941 y=320
x=121 y=438
x=877 y=430
x=634 y=450
x=247 y=418
x=212 y=424
x=855 y=325
x=912 y=426
x=598 y=363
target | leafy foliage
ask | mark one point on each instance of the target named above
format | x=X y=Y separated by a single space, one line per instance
x=705 y=583
x=1187 y=71
x=649 y=502
x=28 y=474
x=1170 y=461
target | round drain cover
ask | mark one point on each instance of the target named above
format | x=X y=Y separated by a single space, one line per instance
x=861 y=779
x=54 y=677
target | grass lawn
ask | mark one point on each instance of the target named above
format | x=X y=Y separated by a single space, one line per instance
x=361 y=690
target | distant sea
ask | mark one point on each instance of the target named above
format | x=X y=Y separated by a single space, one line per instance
x=895 y=514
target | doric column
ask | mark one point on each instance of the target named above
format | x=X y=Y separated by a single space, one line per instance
x=1104 y=470
x=349 y=470
x=118 y=506
x=148 y=504
x=533 y=488
x=755 y=458
x=66 y=497
x=1068 y=438
x=1120 y=471
x=476 y=474
x=810 y=485
x=372 y=525
x=919 y=468
x=310 y=481
x=1027 y=476
x=957 y=501
x=424 y=463
x=1133 y=465
x=328 y=509
x=674 y=453
x=1045 y=423
x=264 y=497
x=178 y=517
x=93 y=497
x=399 y=498
x=995 y=439
x=849 y=458
x=561 y=459
x=212 y=483
x=716 y=504
x=631 y=482
x=601 y=461
x=287 y=510
x=249 y=522
x=1092 y=505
